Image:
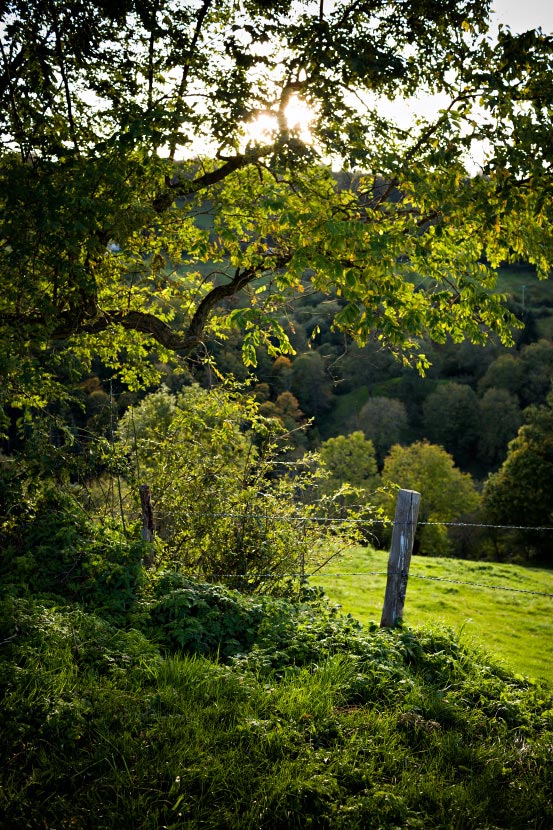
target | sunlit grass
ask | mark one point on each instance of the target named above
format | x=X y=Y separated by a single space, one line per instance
x=515 y=627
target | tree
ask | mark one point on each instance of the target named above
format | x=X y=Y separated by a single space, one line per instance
x=350 y=460
x=506 y=372
x=500 y=418
x=139 y=218
x=520 y=493
x=384 y=421
x=537 y=361
x=446 y=492
x=310 y=383
x=451 y=419
x=526 y=374
x=288 y=413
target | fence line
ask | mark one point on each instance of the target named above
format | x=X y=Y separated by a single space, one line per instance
x=480 y=524
x=444 y=579
x=333 y=520
x=481 y=585
x=299 y=575
x=404 y=525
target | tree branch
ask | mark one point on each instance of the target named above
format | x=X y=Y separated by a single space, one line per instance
x=421 y=141
x=67 y=91
x=186 y=187
x=146 y=323
x=6 y=85
x=10 y=67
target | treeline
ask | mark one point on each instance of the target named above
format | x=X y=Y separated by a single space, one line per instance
x=488 y=408
x=471 y=400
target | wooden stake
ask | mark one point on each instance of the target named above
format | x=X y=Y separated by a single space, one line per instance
x=403 y=536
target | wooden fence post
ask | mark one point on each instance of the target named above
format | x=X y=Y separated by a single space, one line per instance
x=403 y=536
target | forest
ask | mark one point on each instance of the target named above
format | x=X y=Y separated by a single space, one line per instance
x=241 y=304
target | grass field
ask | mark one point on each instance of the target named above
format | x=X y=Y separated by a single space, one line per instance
x=515 y=627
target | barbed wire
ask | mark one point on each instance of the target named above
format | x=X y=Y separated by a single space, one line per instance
x=480 y=524
x=300 y=575
x=368 y=521
x=481 y=585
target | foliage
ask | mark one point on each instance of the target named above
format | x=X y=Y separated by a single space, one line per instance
x=341 y=727
x=211 y=620
x=51 y=546
x=310 y=383
x=447 y=494
x=384 y=422
x=286 y=409
x=139 y=222
x=198 y=618
x=479 y=432
x=119 y=241
x=451 y=419
x=228 y=504
x=500 y=418
x=350 y=460
x=506 y=372
x=520 y=492
x=526 y=374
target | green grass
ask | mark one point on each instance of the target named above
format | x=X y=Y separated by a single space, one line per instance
x=515 y=627
x=323 y=724
x=511 y=279
x=534 y=295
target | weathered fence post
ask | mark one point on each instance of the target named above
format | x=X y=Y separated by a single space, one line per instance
x=147 y=521
x=403 y=536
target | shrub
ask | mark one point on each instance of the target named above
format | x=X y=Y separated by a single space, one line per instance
x=51 y=546
x=229 y=507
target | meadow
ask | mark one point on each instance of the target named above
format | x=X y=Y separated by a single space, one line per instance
x=516 y=628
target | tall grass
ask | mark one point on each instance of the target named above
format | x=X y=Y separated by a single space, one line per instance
x=339 y=727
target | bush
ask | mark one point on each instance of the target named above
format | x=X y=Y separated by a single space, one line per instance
x=203 y=619
x=229 y=507
x=51 y=546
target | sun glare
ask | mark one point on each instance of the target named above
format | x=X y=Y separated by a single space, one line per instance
x=299 y=117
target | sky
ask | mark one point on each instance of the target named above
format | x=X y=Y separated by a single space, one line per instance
x=521 y=15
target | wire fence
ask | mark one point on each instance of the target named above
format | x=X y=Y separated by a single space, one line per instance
x=367 y=522
x=362 y=521
x=325 y=574
x=387 y=573
x=441 y=579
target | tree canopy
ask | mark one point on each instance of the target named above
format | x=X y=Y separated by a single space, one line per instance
x=140 y=214
x=446 y=492
x=519 y=494
x=350 y=460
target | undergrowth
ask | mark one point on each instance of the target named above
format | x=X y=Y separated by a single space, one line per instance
x=213 y=710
